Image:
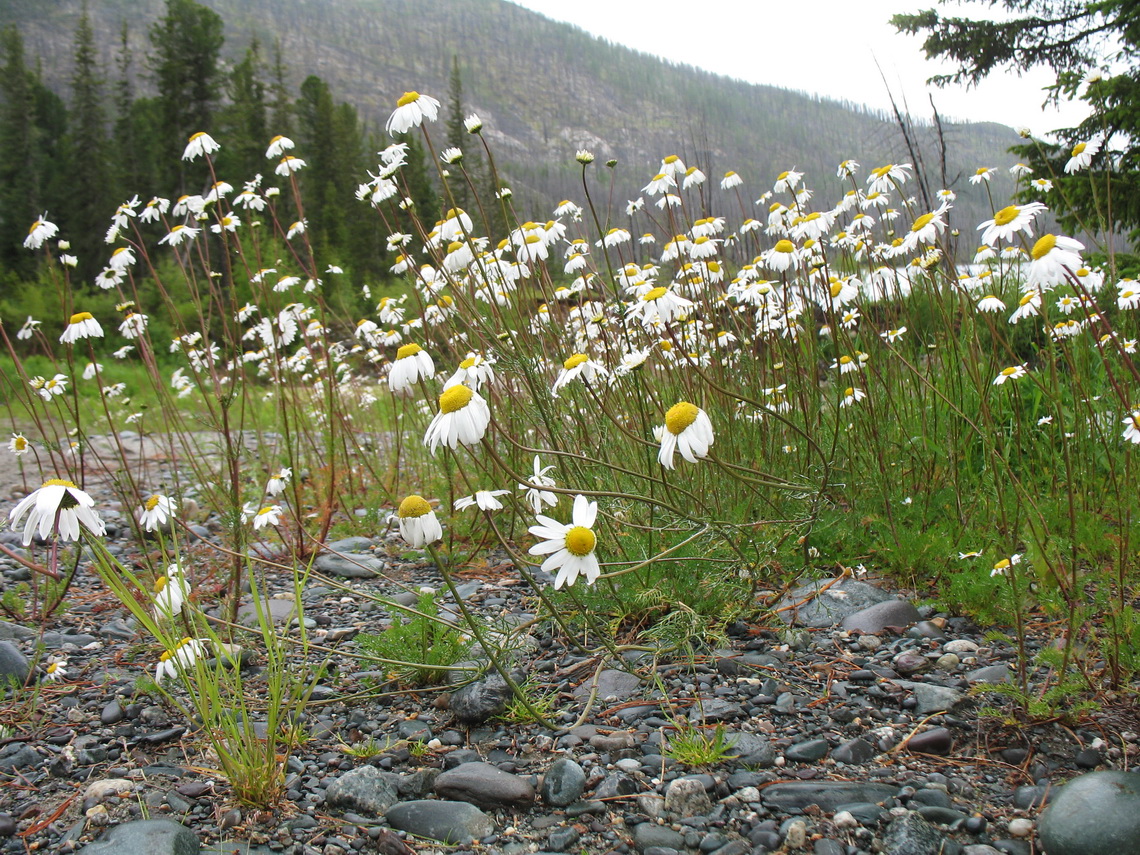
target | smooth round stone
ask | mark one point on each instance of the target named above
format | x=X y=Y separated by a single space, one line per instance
x=947 y=662
x=563 y=782
x=437 y=819
x=1094 y=814
x=960 y=645
x=807 y=752
x=938 y=740
x=1020 y=827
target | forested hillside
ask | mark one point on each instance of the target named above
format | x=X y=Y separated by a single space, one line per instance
x=108 y=110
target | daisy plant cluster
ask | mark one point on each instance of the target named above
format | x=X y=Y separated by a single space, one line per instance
x=660 y=410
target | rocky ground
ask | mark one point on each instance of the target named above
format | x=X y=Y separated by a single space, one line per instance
x=851 y=730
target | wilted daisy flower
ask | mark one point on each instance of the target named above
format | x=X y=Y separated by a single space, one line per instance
x=485 y=500
x=984 y=173
x=851 y=396
x=170 y=592
x=1082 y=154
x=689 y=430
x=1014 y=372
x=462 y=418
x=182 y=657
x=1132 y=427
x=81 y=325
x=569 y=548
x=473 y=371
x=266 y=515
x=891 y=336
x=1009 y=221
x=990 y=303
x=276 y=484
x=578 y=365
x=883 y=178
x=55 y=670
x=536 y=496
x=199 y=144
x=411 y=111
x=1001 y=568
x=418 y=523
x=40 y=231
x=58 y=506
x=28 y=329
x=156 y=511
x=1055 y=259
x=288 y=164
x=730 y=180
x=278 y=146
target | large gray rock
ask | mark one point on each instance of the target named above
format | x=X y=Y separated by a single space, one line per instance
x=893 y=614
x=930 y=698
x=15 y=631
x=145 y=837
x=447 y=822
x=14 y=665
x=808 y=606
x=827 y=794
x=613 y=685
x=485 y=786
x=366 y=790
x=1094 y=814
x=687 y=797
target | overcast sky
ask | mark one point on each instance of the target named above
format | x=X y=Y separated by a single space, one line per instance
x=826 y=47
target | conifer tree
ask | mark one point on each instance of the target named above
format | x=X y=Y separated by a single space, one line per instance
x=17 y=175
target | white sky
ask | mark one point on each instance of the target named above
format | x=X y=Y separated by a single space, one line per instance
x=825 y=47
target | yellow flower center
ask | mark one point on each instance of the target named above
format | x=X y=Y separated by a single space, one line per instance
x=785 y=245
x=656 y=294
x=1043 y=246
x=59 y=482
x=266 y=510
x=922 y=222
x=469 y=362
x=159 y=584
x=1025 y=299
x=836 y=288
x=196 y=136
x=1004 y=563
x=671 y=159
x=880 y=171
x=408 y=98
x=20 y=443
x=680 y=416
x=574 y=361
x=844 y=360
x=1009 y=372
x=51 y=669
x=580 y=541
x=1006 y=215
x=275 y=139
x=152 y=502
x=408 y=350
x=455 y=398
x=80 y=317
x=454 y=246
x=1078 y=148
x=413 y=506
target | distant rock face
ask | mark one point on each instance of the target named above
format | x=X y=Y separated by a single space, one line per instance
x=1094 y=814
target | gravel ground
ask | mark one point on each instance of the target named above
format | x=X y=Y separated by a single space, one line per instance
x=853 y=730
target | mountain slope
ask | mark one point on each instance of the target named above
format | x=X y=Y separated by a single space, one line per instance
x=543 y=89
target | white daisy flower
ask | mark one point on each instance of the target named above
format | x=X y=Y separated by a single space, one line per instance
x=569 y=548
x=58 y=506
x=689 y=430
x=418 y=523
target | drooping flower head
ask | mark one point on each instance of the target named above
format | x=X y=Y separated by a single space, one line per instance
x=81 y=325
x=418 y=523
x=410 y=112
x=462 y=418
x=688 y=430
x=58 y=506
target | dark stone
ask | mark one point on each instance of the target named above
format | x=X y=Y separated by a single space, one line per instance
x=807 y=752
x=889 y=614
x=478 y=701
x=854 y=752
x=563 y=783
x=937 y=740
x=485 y=786
x=445 y=821
x=14 y=665
x=829 y=795
x=647 y=835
